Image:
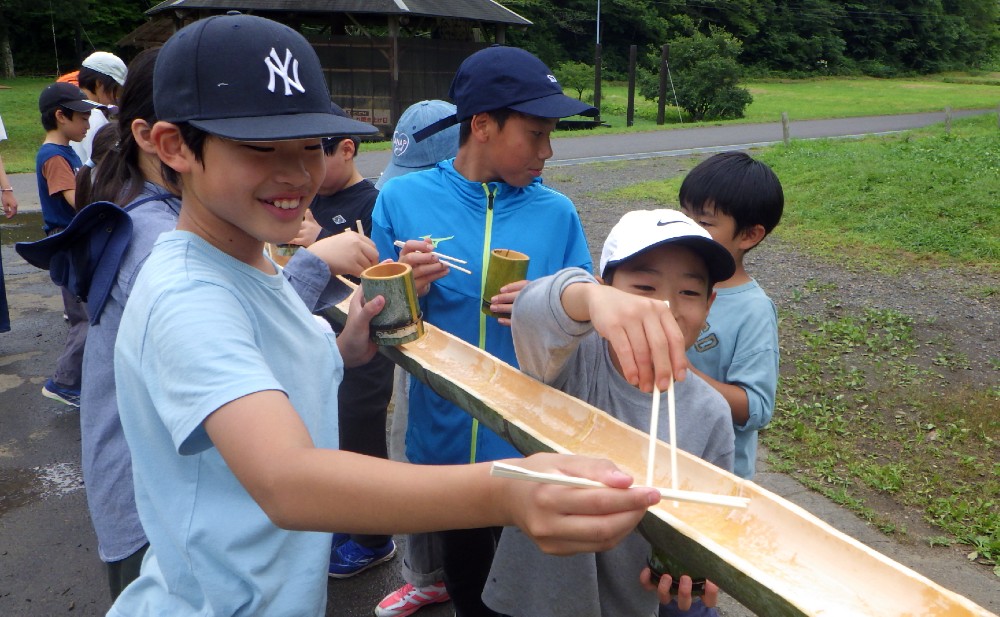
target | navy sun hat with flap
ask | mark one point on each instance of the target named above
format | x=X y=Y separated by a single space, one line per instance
x=246 y=78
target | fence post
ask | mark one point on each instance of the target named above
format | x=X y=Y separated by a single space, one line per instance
x=597 y=79
x=786 y=134
x=630 y=114
x=947 y=120
x=661 y=105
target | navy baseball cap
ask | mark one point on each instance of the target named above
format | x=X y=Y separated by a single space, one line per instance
x=246 y=78
x=62 y=94
x=507 y=77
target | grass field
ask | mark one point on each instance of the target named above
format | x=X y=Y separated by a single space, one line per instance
x=801 y=99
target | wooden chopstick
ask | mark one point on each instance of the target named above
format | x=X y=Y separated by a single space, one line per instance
x=401 y=244
x=505 y=470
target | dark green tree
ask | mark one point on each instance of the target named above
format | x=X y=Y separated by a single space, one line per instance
x=706 y=75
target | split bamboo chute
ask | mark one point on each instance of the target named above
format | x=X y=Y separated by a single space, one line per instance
x=773 y=556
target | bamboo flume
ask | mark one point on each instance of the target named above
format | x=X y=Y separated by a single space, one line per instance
x=774 y=557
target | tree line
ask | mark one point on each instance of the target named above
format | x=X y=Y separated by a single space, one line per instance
x=794 y=38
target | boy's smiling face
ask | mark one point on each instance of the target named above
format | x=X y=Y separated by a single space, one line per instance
x=670 y=272
x=244 y=193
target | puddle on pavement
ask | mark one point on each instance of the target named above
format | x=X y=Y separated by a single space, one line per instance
x=21 y=487
x=24 y=227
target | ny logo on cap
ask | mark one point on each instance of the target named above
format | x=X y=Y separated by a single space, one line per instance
x=276 y=67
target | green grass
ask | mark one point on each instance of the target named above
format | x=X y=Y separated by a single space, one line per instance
x=922 y=195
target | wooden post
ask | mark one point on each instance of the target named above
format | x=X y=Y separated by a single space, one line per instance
x=630 y=113
x=661 y=101
x=947 y=120
x=597 y=79
x=786 y=133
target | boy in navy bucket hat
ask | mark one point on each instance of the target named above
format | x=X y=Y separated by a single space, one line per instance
x=227 y=386
x=489 y=196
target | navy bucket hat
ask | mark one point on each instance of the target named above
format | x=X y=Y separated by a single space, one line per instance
x=84 y=258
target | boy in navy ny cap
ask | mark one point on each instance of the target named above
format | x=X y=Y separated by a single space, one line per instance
x=227 y=386
x=489 y=196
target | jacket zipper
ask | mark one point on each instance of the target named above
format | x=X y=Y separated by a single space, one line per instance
x=487 y=240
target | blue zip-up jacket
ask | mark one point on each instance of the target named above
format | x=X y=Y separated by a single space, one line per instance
x=467 y=220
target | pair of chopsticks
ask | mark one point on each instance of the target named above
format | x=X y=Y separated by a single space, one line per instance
x=505 y=470
x=672 y=493
x=448 y=258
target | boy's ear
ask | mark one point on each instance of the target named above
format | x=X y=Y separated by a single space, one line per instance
x=482 y=127
x=141 y=133
x=170 y=147
x=751 y=237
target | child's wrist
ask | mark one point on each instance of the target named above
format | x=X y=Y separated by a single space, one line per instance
x=9 y=188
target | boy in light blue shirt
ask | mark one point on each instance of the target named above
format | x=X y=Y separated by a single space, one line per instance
x=739 y=201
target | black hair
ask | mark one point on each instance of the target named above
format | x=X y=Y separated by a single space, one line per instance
x=120 y=179
x=499 y=116
x=330 y=144
x=102 y=151
x=738 y=186
x=49 y=122
x=194 y=139
x=89 y=78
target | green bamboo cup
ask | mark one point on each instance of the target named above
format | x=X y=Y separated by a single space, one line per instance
x=506 y=266
x=400 y=320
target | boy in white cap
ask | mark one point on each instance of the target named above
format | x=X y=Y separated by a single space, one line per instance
x=227 y=385
x=101 y=77
x=583 y=337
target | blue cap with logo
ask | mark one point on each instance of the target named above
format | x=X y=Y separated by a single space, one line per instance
x=246 y=78
x=408 y=155
x=501 y=77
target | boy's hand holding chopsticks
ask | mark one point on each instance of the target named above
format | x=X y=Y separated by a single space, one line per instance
x=428 y=265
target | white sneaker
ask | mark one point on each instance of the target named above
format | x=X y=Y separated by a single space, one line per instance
x=409 y=599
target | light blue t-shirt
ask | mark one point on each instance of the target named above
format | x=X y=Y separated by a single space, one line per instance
x=740 y=346
x=200 y=330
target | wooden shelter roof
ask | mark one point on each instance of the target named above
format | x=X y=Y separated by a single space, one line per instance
x=473 y=10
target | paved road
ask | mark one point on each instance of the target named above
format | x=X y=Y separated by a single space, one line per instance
x=679 y=141
x=48 y=560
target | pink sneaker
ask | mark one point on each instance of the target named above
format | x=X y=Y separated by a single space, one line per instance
x=409 y=599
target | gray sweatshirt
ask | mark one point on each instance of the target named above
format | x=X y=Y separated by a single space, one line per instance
x=571 y=356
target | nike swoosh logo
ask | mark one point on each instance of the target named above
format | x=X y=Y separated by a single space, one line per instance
x=664 y=223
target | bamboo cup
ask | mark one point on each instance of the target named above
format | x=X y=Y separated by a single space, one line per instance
x=506 y=266
x=400 y=320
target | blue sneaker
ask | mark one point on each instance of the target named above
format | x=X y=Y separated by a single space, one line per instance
x=340 y=538
x=58 y=393
x=351 y=558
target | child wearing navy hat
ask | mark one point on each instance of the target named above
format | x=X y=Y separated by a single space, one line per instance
x=227 y=386
x=65 y=113
x=489 y=196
